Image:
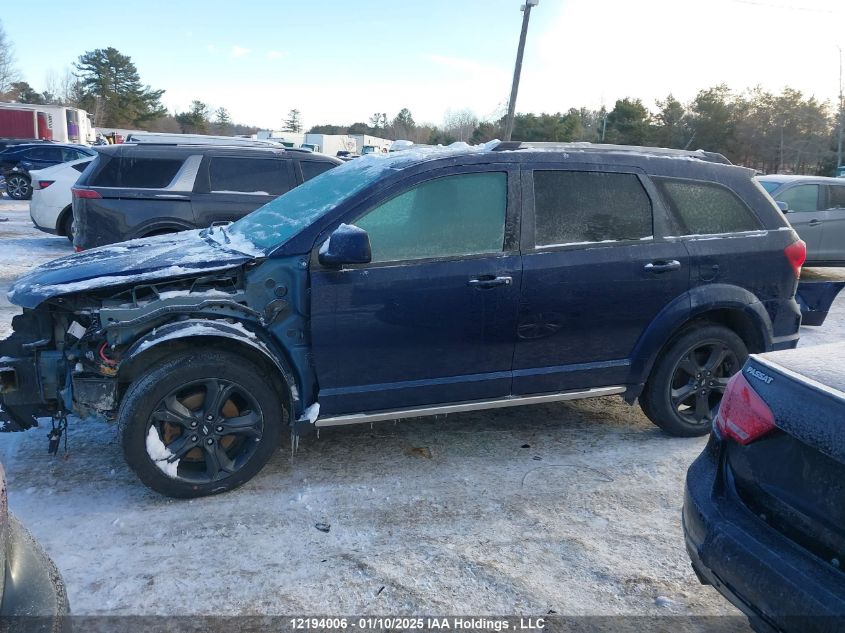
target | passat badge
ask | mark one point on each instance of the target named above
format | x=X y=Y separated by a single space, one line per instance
x=759 y=375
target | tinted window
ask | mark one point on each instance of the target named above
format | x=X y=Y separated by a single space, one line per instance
x=139 y=173
x=311 y=168
x=68 y=154
x=258 y=176
x=446 y=217
x=53 y=154
x=80 y=167
x=837 y=197
x=579 y=206
x=703 y=208
x=801 y=198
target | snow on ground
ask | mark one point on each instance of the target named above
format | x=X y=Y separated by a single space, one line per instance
x=572 y=507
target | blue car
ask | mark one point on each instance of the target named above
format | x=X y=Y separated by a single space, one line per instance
x=16 y=161
x=425 y=282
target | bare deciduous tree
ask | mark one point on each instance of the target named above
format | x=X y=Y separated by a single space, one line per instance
x=460 y=124
x=8 y=71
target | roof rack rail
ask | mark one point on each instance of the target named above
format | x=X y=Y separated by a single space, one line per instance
x=711 y=157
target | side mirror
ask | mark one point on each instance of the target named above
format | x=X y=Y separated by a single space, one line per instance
x=783 y=206
x=346 y=245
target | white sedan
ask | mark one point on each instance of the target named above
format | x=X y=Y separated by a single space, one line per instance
x=50 y=207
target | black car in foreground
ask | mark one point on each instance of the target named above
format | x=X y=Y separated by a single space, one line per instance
x=131 y=191
x=16 y=161
x=764 y=510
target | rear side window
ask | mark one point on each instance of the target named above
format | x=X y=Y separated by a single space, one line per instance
x=311 y=168
x=45 y=153
x=80 y=167
x=136 y=173
x=573 y=207
x=451 y=216
x=837 y=197
x=801 y=198
x=704 y=208
x=257 y=176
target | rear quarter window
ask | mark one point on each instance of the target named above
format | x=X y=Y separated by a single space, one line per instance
x=706 y=208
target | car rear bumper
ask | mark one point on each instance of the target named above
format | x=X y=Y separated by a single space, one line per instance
x=33 y=586
x=776 y=583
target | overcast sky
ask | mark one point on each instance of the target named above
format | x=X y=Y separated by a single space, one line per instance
x=338 y=61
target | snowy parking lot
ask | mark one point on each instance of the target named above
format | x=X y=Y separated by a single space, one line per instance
x=572 y=508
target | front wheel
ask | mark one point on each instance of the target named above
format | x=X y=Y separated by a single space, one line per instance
x=18 y=187
x=686 y=385
x=200 y=423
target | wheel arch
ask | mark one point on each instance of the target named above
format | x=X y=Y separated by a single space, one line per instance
x=232 y=337
x=60 y=221
x=719 y=304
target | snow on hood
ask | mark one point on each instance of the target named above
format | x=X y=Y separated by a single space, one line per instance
x=148 y=259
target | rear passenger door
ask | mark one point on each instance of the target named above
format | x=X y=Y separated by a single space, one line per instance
x=597 y=270
x=804 y=214
x=229 y=187
x=312 y=168
x=727 y=242
x=833 y=224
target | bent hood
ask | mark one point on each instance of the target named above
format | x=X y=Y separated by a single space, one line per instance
x=149 y=259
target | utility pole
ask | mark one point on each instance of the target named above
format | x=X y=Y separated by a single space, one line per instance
x=840 y=117
x=526 y=14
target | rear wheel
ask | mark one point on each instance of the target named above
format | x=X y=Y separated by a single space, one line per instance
x=18 y=187
x=67 y=225
x=686 y=385
x=200 y=423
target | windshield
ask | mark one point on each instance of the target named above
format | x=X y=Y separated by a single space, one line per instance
x=279 y=220
x=769 y=185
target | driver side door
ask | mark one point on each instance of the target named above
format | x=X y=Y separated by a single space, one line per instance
x=432 y=318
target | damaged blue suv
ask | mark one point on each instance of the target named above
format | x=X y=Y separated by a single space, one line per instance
x=426 y=282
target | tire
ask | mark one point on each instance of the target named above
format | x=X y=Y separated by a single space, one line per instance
x=681 y=397
x=18 y=187
x=172 y=444
x=67 y=226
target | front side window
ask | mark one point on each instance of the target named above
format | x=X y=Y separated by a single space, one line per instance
x=256 y=176
x=452 y=216
x=801 y=198
x=706 y=208
x=574 y=207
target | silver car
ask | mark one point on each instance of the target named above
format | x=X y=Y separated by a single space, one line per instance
x=815 y=207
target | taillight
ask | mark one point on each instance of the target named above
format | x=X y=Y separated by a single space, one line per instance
x=743 y=415
x=78 y=249
x=796 y=255
x=43 y=184
x=85 y=193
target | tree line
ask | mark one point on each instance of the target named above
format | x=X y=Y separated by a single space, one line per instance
x=785 y=132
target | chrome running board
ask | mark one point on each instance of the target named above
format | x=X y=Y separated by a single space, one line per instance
x=475 y=405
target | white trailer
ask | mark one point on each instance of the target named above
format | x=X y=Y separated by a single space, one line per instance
x=68 y=125
x=367 y=144
x=330 y=144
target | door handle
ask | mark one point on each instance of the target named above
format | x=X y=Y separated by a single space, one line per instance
x=814 y=222
x=663 y=266
x=490 y=281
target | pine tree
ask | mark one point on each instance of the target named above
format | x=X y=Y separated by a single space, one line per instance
x=112 y=90
x=293 y=123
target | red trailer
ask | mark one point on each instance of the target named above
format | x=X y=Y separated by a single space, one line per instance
x=25 y=124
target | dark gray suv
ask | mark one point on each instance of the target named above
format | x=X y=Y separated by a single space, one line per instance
x=131 y=191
